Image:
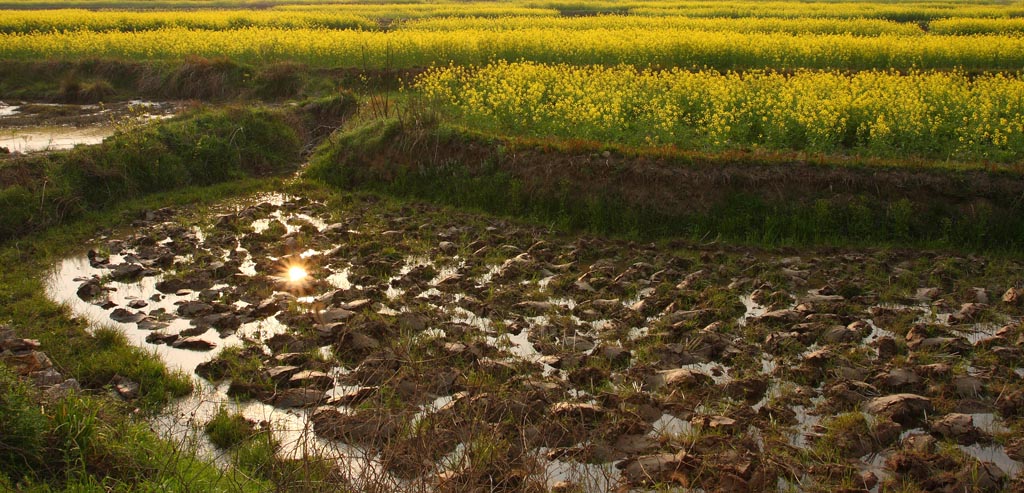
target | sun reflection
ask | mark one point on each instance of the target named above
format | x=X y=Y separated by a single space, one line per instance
x=297 y=273
x=294 y=273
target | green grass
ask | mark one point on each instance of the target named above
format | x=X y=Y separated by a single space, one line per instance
x=198 y=149
x=501 y=175
x=227 y=430
x=85 y=443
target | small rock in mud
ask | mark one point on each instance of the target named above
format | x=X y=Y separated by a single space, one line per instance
x=193 y=344
x=281 y=374
x=360 y=428
x=680 y=377
x=353 y=397
x=635 y=444
x=90 y=289
x=191 y=309
x=150 y=324
x=956 y=426
x=161 y=338
x=124 y=272
x=127 y=389
x=311 y=379
x=901 y=379
x=124 y=316
x=26 y=362
x=719 y=423
x=969 y=312
x=578 y=411
x=335 y=315
x=659 y=468
x=566 y=487
x=919 y=442
x=968 y=386
x=887 y=347
x=988 y=477
x=214 y=370
x=137 y=304
x=46 y=378
x=279 y=343
x=904 y=409
x=927 y=294
x=63 y=389
x=298 y=398
x=1011 y=405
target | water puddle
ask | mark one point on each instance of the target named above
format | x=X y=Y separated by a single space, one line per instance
x=877 y=332
x=668 y=424
x=995 y=454
x=62 y=287
x=989 y=423
x=7 y=110
x=752 y=309
x=36 y=139
x=588 y=477
x=804 y=427
x=875 y=464
x=35 y=127
x=979 y=332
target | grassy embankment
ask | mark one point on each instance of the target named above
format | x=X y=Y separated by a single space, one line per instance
x=769 y=198
x=51 y=204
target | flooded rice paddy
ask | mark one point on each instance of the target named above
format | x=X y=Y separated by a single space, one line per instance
x=419 y=349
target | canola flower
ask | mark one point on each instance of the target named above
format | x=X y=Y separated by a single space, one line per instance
x=860 y=27
x=894 y=10
x=901 y=11
x=933 y=115
x=348 y=16
x=387 y=10
x=641 y=47
x=964 y=25
x=45 y=21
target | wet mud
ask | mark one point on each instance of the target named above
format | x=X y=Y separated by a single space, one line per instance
x=425 y=349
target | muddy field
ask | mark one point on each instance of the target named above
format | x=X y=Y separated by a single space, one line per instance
x=419 y=348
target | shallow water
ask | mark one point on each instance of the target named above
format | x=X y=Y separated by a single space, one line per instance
x=995 y=454
x=424 y=295
x=62 y=286
x=668 y=424
x=752 y=309
x=52 y=138
x=7 y=110
x=24 y=129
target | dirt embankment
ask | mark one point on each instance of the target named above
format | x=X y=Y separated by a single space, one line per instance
x=673 y=184
x=800 y=198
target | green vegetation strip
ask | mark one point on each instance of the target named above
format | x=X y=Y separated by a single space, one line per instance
x=206 y=148
x=82 y=443
x=743 y=197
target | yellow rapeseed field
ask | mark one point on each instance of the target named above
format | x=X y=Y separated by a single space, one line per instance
x=861 y=27
x=936 y=78
x=939 y=115
x=642 y=47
